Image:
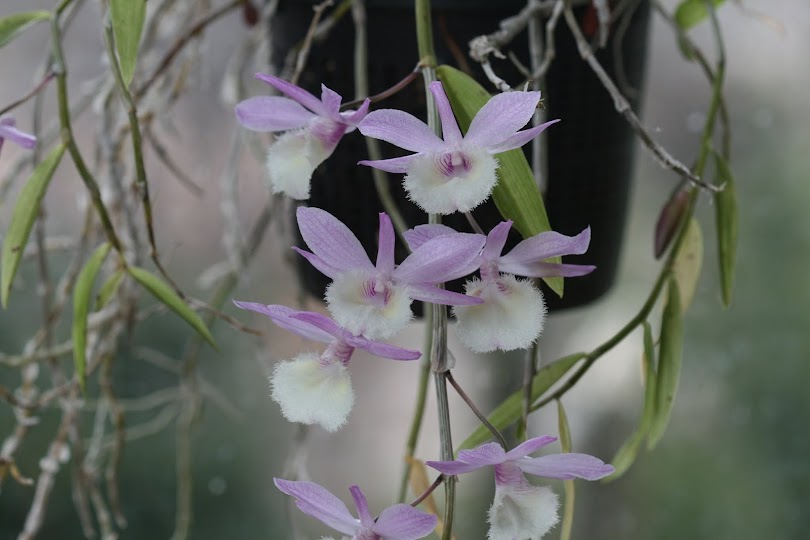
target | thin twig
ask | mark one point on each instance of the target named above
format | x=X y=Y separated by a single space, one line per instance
x=481 y=416
x=303 y=53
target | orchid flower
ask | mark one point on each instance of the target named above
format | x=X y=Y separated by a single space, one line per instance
x=455 y=174
x=521 y=511
x=374 y=299
x=10 y=132
x=312 y=388
x=397 y=522
x=314 y=128
x=513 y=312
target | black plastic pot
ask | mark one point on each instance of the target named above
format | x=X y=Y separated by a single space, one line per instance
x=591 y=152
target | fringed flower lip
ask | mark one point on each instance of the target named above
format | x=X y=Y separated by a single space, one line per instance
x=314 y=127
x=397 y=522
x=312 y=388
x=374 y=299
x=458 y=172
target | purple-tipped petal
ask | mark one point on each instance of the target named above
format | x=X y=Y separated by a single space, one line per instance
x=502 y=116
x=319 y=503
x=281 y=317
x=366 y=519
x=450 y=130
x=400 y=129
x=520 y=138
x=8 y=131
x=332 y=241
x=496 y=239
x=530 y=446
x=271 y=113
x=385 y=248
x=318 y=263
x=454 y=468
x=403 y=522
x=331 y=101
x=354 y=117
x=548 y=244
x=422 y=233
x=295 y=92
x=437 y=295
x=544 y=269
x=382 y=350
x=566 y=466
x=319 y=321
x=439 y=258
x=397 y=165
x=486 y=454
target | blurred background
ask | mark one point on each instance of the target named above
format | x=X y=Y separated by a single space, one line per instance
x=735 y=462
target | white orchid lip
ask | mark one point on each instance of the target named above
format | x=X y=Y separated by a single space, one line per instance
x=368 y=305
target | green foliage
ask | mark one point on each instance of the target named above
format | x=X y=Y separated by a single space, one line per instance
x=165 y=295
x=127 y=18
x=570 y=493
x=81 y=307
x=109 y=288
x=688 y=262
x=512 y=407
x=725 y=212
x=516 y=194
x=692 y=12
x=17 y=23
x=22 y=220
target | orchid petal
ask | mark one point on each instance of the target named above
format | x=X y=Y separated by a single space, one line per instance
x=496 y=239
x=566 y=466
x=331 y=100
x=548 y=244
x=422 y=233
x=354 y=117
x=439 y=258
x=501 y=117
x=318 y=263
x=281 y=317
x=400 y=129
x=530 y=446
x=397 y=165
x=385 y=248
x=8 y=131
x=454 y=468
x=544 y=269
x=366 y=519
x=520 y=138
x=450 y=130
x=295 y=92
x=319 y=321
x=437 y=295
x=382 y=350
x=332 y=241
x=486 y=454
x=319 y=503
x=271 y=113
x=404 y=522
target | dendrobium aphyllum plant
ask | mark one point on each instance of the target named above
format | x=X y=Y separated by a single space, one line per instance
x=314 y=127
x=374 y=299
x=521 y=510
x=312 y=388
x=513 y=311
x=10 y=132
x=458 y=173
x=397 y=522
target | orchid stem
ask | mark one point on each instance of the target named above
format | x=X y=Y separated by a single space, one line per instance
x=492 y=429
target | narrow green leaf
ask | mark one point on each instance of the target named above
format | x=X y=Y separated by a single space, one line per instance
x=109 y=288
x=725 y=212
x=669 y=364
x=81 y=306
x=516 y=194
x=688 y=262
x=626 y=455
x=511 y=408
x=570 y=494
x=165 y=295
x=127 y=18
x=17 y=23
x=25 y=213
x=690 y=13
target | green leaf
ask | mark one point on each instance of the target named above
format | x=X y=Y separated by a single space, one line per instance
x=626 y=455
x=81 y=306
x=570 y=494
x=25 y=213
x=687 y=264
x=516 y=194
x=109 y=288
x=17 y=23
x=725 y=208
x=692 y=12
x=165 y=295
x=669 y=364
x=512 y=407
x=127 y=18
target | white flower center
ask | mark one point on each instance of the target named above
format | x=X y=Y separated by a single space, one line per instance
x=368 y=305
x=522 y=512
x=292 y=159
